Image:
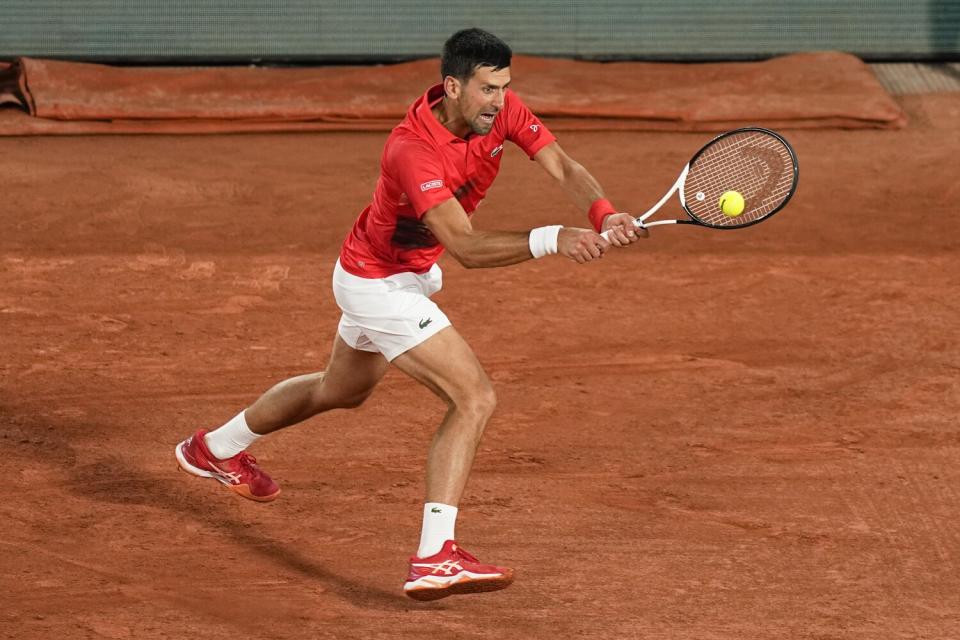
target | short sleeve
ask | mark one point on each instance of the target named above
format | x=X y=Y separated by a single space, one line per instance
x=418 y=170
x=523 y=128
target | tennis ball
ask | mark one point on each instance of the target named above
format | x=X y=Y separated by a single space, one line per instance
x=731 y=203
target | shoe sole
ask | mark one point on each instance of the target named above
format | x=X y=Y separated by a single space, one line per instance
x=240 y=489
x=428 y=594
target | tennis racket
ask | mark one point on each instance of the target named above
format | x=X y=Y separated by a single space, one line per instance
x=757 y=163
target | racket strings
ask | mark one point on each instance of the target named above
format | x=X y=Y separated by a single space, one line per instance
x=754 y=163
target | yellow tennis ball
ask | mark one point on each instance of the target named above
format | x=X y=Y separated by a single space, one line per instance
x=731 y=203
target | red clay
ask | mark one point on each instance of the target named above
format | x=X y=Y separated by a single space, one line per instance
x=733 y=435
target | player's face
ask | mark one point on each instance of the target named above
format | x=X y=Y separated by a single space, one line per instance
x=481 y=98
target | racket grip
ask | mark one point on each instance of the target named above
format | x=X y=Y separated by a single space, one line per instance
x=636 y=222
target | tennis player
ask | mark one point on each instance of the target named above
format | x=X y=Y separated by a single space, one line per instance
x=436 y=167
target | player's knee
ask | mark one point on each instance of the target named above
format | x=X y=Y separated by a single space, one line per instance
x=480 y=402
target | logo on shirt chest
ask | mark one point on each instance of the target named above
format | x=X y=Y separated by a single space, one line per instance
x=496 y=151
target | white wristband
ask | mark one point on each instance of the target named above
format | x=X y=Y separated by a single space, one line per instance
x=543 y=240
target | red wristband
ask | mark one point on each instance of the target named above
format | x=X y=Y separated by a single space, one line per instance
x=599 y=210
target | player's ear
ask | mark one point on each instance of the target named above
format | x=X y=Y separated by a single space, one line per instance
x=451 y=87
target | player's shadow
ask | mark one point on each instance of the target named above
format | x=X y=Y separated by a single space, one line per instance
x=113 y=480
x=132 y=486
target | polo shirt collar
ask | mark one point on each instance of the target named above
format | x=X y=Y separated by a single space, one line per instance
x=425 y=115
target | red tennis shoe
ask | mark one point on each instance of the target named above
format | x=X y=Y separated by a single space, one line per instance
x=240 y=472
x=453 y=571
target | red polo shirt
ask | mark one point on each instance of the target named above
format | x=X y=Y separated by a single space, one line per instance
x=423 y=165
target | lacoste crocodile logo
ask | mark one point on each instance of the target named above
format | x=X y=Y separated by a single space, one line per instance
x=424 y=323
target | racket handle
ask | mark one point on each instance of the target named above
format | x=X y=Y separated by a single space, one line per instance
x=636 y=222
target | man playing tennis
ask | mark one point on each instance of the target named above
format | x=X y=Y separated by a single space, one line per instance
x=436 y=167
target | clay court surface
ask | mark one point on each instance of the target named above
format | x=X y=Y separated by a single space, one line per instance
x=712 y=435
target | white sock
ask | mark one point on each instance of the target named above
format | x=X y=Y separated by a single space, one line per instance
x=439 y=521
x=231 y=438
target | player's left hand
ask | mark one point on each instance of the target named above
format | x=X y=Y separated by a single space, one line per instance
x=622 y=230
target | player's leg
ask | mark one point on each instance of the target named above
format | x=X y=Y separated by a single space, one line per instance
x=348 y=380
x=447 y=366
x=398 y=318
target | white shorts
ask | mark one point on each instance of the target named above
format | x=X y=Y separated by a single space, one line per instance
x=388 y=315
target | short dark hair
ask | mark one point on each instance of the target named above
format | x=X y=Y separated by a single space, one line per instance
x=468 y=49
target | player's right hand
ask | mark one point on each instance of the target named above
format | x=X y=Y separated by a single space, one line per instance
x=582 y=245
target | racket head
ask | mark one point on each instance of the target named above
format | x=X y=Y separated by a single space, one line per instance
x=757 y=162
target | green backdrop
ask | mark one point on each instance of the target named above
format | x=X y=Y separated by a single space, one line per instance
x=318 y=31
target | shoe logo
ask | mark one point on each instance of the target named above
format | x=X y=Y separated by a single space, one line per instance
x=233 y=477
x=447 y=567
x=435 y=509
x=424 y=323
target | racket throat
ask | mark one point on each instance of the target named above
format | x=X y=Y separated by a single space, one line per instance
x=678 y=185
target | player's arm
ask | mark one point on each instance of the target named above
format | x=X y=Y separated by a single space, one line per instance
x=479 y=249
x=587 y=194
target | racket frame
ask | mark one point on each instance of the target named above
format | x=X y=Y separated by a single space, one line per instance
x=681 y=181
